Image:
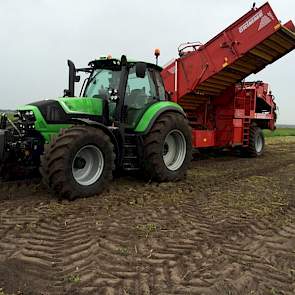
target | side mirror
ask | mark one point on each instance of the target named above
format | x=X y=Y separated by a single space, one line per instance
x=140 y=69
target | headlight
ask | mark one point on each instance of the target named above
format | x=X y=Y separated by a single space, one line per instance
x=26 y=120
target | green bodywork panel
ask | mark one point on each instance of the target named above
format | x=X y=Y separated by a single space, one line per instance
x=153 y=111
x=94 y=106
x=83 y=105
x=71 y=105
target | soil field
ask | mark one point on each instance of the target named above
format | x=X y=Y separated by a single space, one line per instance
x=228 y=228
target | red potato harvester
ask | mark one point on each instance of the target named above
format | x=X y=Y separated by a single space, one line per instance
x=207 y=81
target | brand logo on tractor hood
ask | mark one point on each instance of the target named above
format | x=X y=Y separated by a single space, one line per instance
x=265 y=20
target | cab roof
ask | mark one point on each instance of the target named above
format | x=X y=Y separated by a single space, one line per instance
x=106 y=62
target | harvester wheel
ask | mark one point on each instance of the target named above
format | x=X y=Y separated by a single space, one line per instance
x=78 y=162
x=256 y=143
x=168 y=148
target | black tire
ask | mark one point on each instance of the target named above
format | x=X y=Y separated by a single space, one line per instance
x=57 y=162
x=256 y=143
x=3 y=172
x=154 y=164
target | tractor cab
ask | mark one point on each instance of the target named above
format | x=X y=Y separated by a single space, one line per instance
x=128 y=88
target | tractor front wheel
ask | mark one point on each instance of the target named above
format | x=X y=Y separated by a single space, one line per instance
x=168 y=148
x=78 y=162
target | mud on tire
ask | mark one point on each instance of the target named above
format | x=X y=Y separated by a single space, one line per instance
x=168 y=128
x=64 y=156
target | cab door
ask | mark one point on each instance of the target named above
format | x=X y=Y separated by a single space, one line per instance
x=140 y=94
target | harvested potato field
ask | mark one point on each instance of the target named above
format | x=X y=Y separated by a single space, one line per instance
x=228 y=228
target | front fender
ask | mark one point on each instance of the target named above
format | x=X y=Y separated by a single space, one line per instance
x=154 y=111
x=102 y=127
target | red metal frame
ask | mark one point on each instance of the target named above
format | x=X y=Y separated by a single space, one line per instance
x=206 y=79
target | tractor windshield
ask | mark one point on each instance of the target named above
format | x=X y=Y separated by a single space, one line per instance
x=102 y=82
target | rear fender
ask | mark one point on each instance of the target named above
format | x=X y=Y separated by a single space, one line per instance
x=154 y=112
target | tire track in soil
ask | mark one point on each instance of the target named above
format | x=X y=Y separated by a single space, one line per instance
x=197 y=262
x=201 y=261
x=240 y=258
x=50 y=248
x=21 y=260
x=96 y=251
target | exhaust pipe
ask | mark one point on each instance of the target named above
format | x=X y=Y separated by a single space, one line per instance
x=70 y=92
x=72 y=76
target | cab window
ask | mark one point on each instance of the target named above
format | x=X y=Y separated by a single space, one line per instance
x=101 y=82
x=140 y=93
x=160 y=85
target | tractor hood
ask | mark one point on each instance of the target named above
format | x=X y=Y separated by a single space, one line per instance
x=85 y=105
x=63 y=108
x=50 y=115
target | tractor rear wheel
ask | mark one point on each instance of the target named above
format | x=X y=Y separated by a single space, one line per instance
x=78 y=162
x=168 y=148
x=256 y=142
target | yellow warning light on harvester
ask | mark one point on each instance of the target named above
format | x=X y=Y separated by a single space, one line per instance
x=225 y=62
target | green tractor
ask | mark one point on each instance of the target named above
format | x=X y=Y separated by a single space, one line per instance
x=123 y=120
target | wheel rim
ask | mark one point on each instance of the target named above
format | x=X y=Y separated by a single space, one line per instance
x=259 y=143
x=88 y=165
x=174 y=150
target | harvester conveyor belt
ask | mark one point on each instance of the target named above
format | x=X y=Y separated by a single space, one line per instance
x=247 y=46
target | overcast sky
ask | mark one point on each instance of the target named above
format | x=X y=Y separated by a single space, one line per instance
x=38 y=36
